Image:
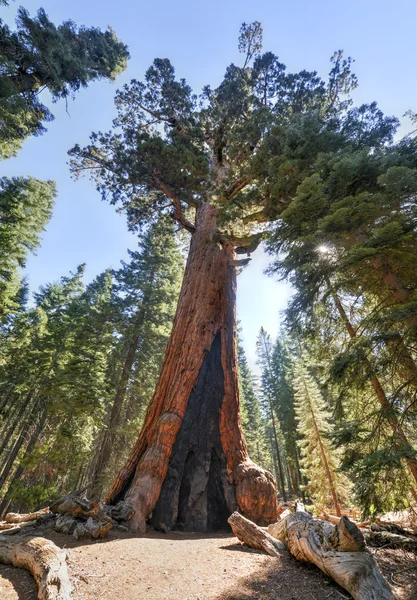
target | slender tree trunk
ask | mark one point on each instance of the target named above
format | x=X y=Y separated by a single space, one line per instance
x=278 y=454
x=106 y=446
x=380 y=394
x=6 y=437
x=18 y=444
x=329 y=474
x=393 y=282
x=293 y=479
x=190 y=465
x=19 y=471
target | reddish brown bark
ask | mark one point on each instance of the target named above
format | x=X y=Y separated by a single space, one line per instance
x=206 y=309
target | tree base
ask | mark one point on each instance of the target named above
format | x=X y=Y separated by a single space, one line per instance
x=196 y=494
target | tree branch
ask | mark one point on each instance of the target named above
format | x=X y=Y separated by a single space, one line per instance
x=257 y=217
x=237 y=187
x=178 y=214
x=173 y=121
x=248 y=244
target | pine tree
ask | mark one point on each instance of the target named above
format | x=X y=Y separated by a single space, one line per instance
x=270 y=392
x=148 y=288
x=253 y=421
x=283 y=401
x=41 y=55
x=25 y=209
x=318 y=458
x=34 y=376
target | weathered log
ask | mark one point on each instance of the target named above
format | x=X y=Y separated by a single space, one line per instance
x=82 y=529
x=81 y=508
x=250 y=534
x=338 y=550
x=17 y=527
x=21 y=518
x=333 y=519
x=386 y=539
x=44 y=560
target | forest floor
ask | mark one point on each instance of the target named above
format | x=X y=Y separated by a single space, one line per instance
x=184 y=566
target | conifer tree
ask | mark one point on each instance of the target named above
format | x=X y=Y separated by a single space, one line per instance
x=25 y=209
x=222 y=165
x=253 y=421
x=147 y=289
x=34 y=377
x=318 y=458
x=270 y=392
x=41 y=55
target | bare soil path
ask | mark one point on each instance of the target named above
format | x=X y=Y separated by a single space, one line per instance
x=184 y=566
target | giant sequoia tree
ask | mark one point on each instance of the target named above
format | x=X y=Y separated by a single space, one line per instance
x=222 y=163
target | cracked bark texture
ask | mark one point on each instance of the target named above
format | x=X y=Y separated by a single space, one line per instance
x=192 y=443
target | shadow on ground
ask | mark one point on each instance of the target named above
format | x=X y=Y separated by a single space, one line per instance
x=188 y=566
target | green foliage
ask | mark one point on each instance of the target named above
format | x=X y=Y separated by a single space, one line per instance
x=253 y=421
x=25 y=209
x=319 y=459
x=243 y=147
x=41 y=55
x=64 y=358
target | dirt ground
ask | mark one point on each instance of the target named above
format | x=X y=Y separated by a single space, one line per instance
x=179 y=566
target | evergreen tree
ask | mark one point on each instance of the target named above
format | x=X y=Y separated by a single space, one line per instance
x=223 y=165
x=318 y=458
x=34 y=376
x=253 y=421
x=283 y=401
x=147 y=290
x=270 y=392
x=41 y=55
x=25 y=209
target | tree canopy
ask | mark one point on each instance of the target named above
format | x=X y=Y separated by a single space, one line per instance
x=40 y=55
x=243 y=146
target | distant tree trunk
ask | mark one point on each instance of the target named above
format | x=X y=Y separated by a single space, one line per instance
x=18 y=444
x=103 y=456
x=17 y=416
x=380 y=394
x=278 y=455
x=329 y=474
x=29 y=449
x=190 y=465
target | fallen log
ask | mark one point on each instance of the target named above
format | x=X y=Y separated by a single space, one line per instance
x=18 y=518
x=385 y=539
x=44 y=560
x=253 y=536
x=335 y=520
x=82 y=530
x=338 y=550
x=80 y=507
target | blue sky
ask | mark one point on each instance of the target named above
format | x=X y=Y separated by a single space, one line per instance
x=201 y=39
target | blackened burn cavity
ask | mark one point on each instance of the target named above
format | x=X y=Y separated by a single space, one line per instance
x=196 y=494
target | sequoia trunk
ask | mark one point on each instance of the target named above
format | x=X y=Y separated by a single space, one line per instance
x=190 y=465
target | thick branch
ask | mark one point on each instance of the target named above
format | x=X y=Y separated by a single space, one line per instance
x=172 y=121
x=248 y=244
x=178 y=214
x=257 y=217
x=237 y=187
x=253 y=536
